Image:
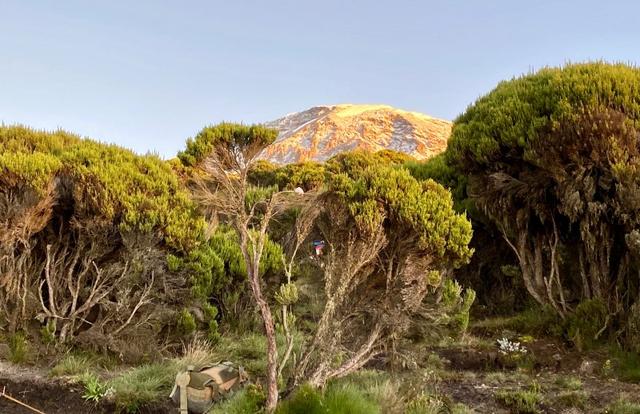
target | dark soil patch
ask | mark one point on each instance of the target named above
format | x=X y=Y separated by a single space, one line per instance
x=50 y=397
x=57 y=397
x=475 y=375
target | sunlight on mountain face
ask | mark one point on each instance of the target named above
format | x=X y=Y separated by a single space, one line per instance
x=321 y=132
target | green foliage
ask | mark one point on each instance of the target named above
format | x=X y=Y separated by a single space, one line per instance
x=392 y=157
x=18 y=348
x=438 y=170
x=518 y=112
x=174 y=263
x=586 y=322
x=211 y=313
x=348 y=399
x=186 y=322
x=626 y=365
x=306 y=399
x=534 y=320
x=434 y=404
x=94 y=389
x=568 y=399
x=140 y=193
x=224 y=243
x=229 y=135
x=287 y=294
x=246 y=401
x=336 y=399
x=551 y=159
x=520 y=401
x=103 y=205
x=142 y=386
x=206 y=270
x=569 y=383
x=47 y=334
x=72 y=365
x=263 y=174
x=623 y=407
x=308 y=175
x=373 y=192
x=457 y=306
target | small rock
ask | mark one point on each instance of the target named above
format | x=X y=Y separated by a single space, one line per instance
x=587 y=367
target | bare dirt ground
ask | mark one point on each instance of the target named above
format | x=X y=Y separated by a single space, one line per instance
x=474 y=376
x=51 y=396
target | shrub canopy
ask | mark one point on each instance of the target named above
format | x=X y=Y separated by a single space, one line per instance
x=137 y=193
x=552 y=159
x=85 y=229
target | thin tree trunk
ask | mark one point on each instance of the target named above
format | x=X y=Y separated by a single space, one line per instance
x=272 y=349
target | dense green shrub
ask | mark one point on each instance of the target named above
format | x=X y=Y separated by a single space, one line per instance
x=186 y=322
x=551 y=160
x=105 y=217
x=209 y=139
x=373 y=210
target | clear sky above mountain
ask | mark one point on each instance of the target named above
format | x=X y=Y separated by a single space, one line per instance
x=148 y=74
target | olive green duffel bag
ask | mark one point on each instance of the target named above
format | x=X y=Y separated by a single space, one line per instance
x=197 y=390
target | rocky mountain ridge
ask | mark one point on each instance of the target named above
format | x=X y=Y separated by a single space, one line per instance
x=321 y=132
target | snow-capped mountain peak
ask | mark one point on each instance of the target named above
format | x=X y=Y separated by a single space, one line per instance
x=321 y=132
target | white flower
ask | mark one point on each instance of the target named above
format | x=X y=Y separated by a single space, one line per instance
x=507 y=347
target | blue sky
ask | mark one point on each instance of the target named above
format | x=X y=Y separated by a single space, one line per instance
x=149 y=74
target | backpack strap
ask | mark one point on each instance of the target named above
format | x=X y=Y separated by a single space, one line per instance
x=182 y=381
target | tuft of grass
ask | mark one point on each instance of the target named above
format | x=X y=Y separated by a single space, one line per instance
x=94 y=389
x=569 y=382
x=18 y=348
x=72 y=365
x=376 y=386
x=246 y=401
x=623 y=407
x=249 y=348
x=349 y=399
x=520 y=401
x=142 y=386
x=572 y=399
x=336 y=399
x=198 y=353
x=435 y=404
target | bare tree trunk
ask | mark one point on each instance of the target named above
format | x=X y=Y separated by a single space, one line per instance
x=272 y=350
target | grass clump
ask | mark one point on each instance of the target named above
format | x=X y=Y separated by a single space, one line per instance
x=572 y=399
x=245 y=401
x=570 y=383
x=18 y=348
x=623 y=407
x=521 y=401
x=143 y=386
x=434 y=404
x=336 y=399
x=198 y=353
x=94 y=389
x=72 y=365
